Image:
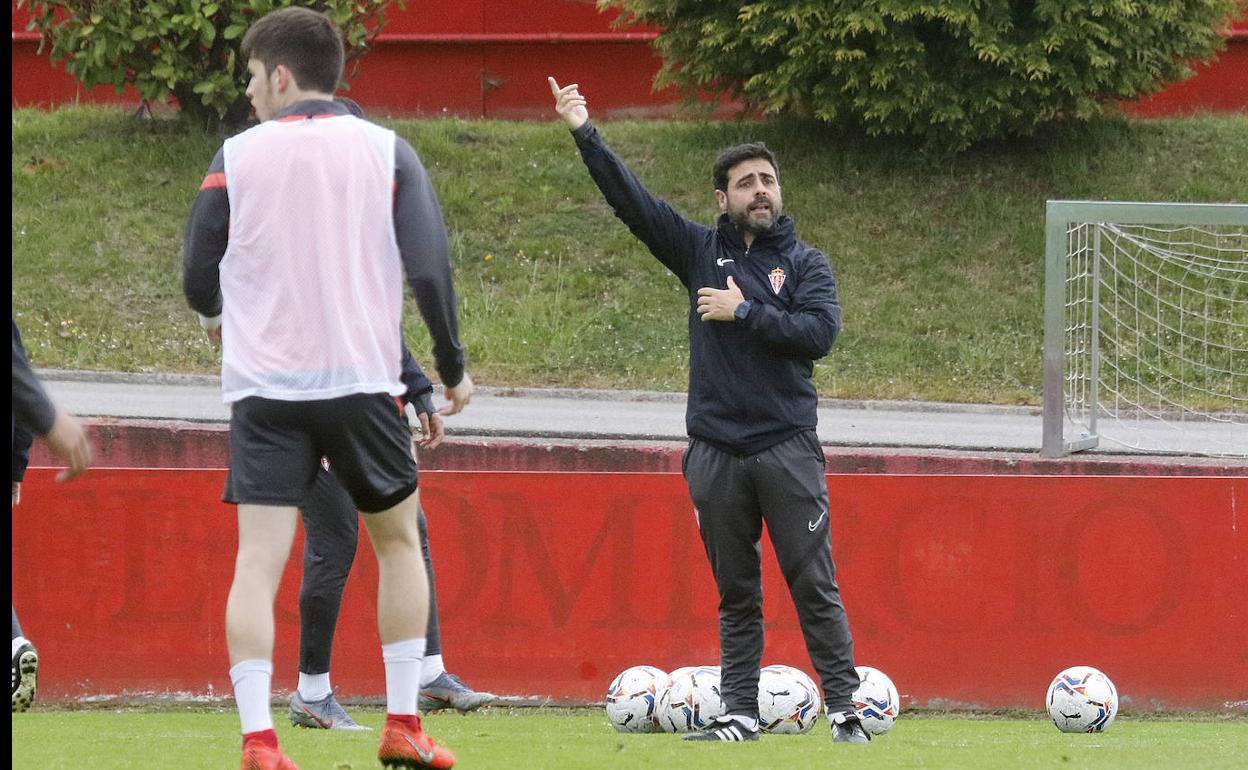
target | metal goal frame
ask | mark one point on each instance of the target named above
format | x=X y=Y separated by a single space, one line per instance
x=1060 y=216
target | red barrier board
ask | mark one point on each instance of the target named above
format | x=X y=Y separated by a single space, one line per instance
x=970 y=590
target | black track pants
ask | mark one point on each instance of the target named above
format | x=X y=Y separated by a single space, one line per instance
x=331 y=531
x=783 y=486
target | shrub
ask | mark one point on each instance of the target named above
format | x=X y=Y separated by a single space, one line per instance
x=952 y=72
x=187 y=49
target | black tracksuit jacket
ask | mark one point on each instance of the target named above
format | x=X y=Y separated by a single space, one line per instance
x=33 y=411
x=419 y=389
x=749 y=380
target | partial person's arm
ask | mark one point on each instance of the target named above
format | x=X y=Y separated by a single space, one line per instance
x=429 y=429
x=22 y=437
x=203 y=246
x=22 y=440
x=669 y=236
x=423 y=246
x=810 y=328
x=33 y=409
x=419 y=388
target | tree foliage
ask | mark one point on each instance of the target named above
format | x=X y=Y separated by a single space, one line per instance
x=951 y=72
x=188 y=49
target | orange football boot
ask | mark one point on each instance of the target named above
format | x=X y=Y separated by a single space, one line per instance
x=404 y=744
x=260 y=755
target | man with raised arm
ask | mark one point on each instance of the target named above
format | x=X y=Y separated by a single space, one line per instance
x=762 y=308
x=295 y=255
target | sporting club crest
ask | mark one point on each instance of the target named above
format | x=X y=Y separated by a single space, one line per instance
x=777 y=279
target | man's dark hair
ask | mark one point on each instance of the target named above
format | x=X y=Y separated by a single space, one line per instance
x=306 y=42
x=738 y=154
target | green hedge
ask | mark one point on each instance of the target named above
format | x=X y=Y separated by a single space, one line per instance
x=952 y=73
x=188 y=49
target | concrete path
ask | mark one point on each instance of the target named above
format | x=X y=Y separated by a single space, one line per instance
x=597 y=414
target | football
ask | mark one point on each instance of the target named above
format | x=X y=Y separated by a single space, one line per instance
x=633 y=699
x=788 y=701
x=876 y=702
x=691 y=701
x=1082 y=700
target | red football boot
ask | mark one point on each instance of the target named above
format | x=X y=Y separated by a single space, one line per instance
x=261 y=752
x=404 y=744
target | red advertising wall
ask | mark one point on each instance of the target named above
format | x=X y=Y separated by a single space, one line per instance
x=490 y=58
x=967 y=590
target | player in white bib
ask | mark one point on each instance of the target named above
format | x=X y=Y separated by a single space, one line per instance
x=295 y=254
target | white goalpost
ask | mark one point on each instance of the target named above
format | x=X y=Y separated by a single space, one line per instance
x=1146 y=328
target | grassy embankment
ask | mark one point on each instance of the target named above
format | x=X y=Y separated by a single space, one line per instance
x=939 y=261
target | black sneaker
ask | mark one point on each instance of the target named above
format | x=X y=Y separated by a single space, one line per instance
x=849 y=731
x=725 y=728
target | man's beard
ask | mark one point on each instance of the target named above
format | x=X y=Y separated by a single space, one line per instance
x=744 y=222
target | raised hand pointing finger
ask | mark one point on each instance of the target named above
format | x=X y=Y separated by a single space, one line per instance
x=569 y=103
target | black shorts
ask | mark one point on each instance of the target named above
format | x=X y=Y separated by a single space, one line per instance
x=276 y=446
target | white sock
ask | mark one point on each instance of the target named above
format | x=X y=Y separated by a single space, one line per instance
x=19 y=641
x=313 y=687
x=403 y=661
x=748 y=723
x=252 y=687
x=431 y=669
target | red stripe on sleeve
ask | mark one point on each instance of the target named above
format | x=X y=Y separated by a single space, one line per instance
x=213 y=181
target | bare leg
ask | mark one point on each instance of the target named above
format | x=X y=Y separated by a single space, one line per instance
x=402 y=613
x=402 y=586
x=265 y=534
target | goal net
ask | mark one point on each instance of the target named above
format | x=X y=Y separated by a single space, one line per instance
x=1146 y=328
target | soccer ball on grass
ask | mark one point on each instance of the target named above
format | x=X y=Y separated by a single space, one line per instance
x=691 y=701
x=1082 y=700
x=633 y=699
x=788 y=701
x=876 y=703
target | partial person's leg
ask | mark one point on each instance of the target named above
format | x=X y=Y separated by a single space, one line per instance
x=793 y=491
x=265 y=534
x=433 y=635
x=272 y=465
x=402 y=599
x=369 y=448
x=730 y=525
x=402 y=617
x=331 y=534
x=440 y=689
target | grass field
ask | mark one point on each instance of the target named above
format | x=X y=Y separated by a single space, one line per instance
x=580 y=738
x=939 y=260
